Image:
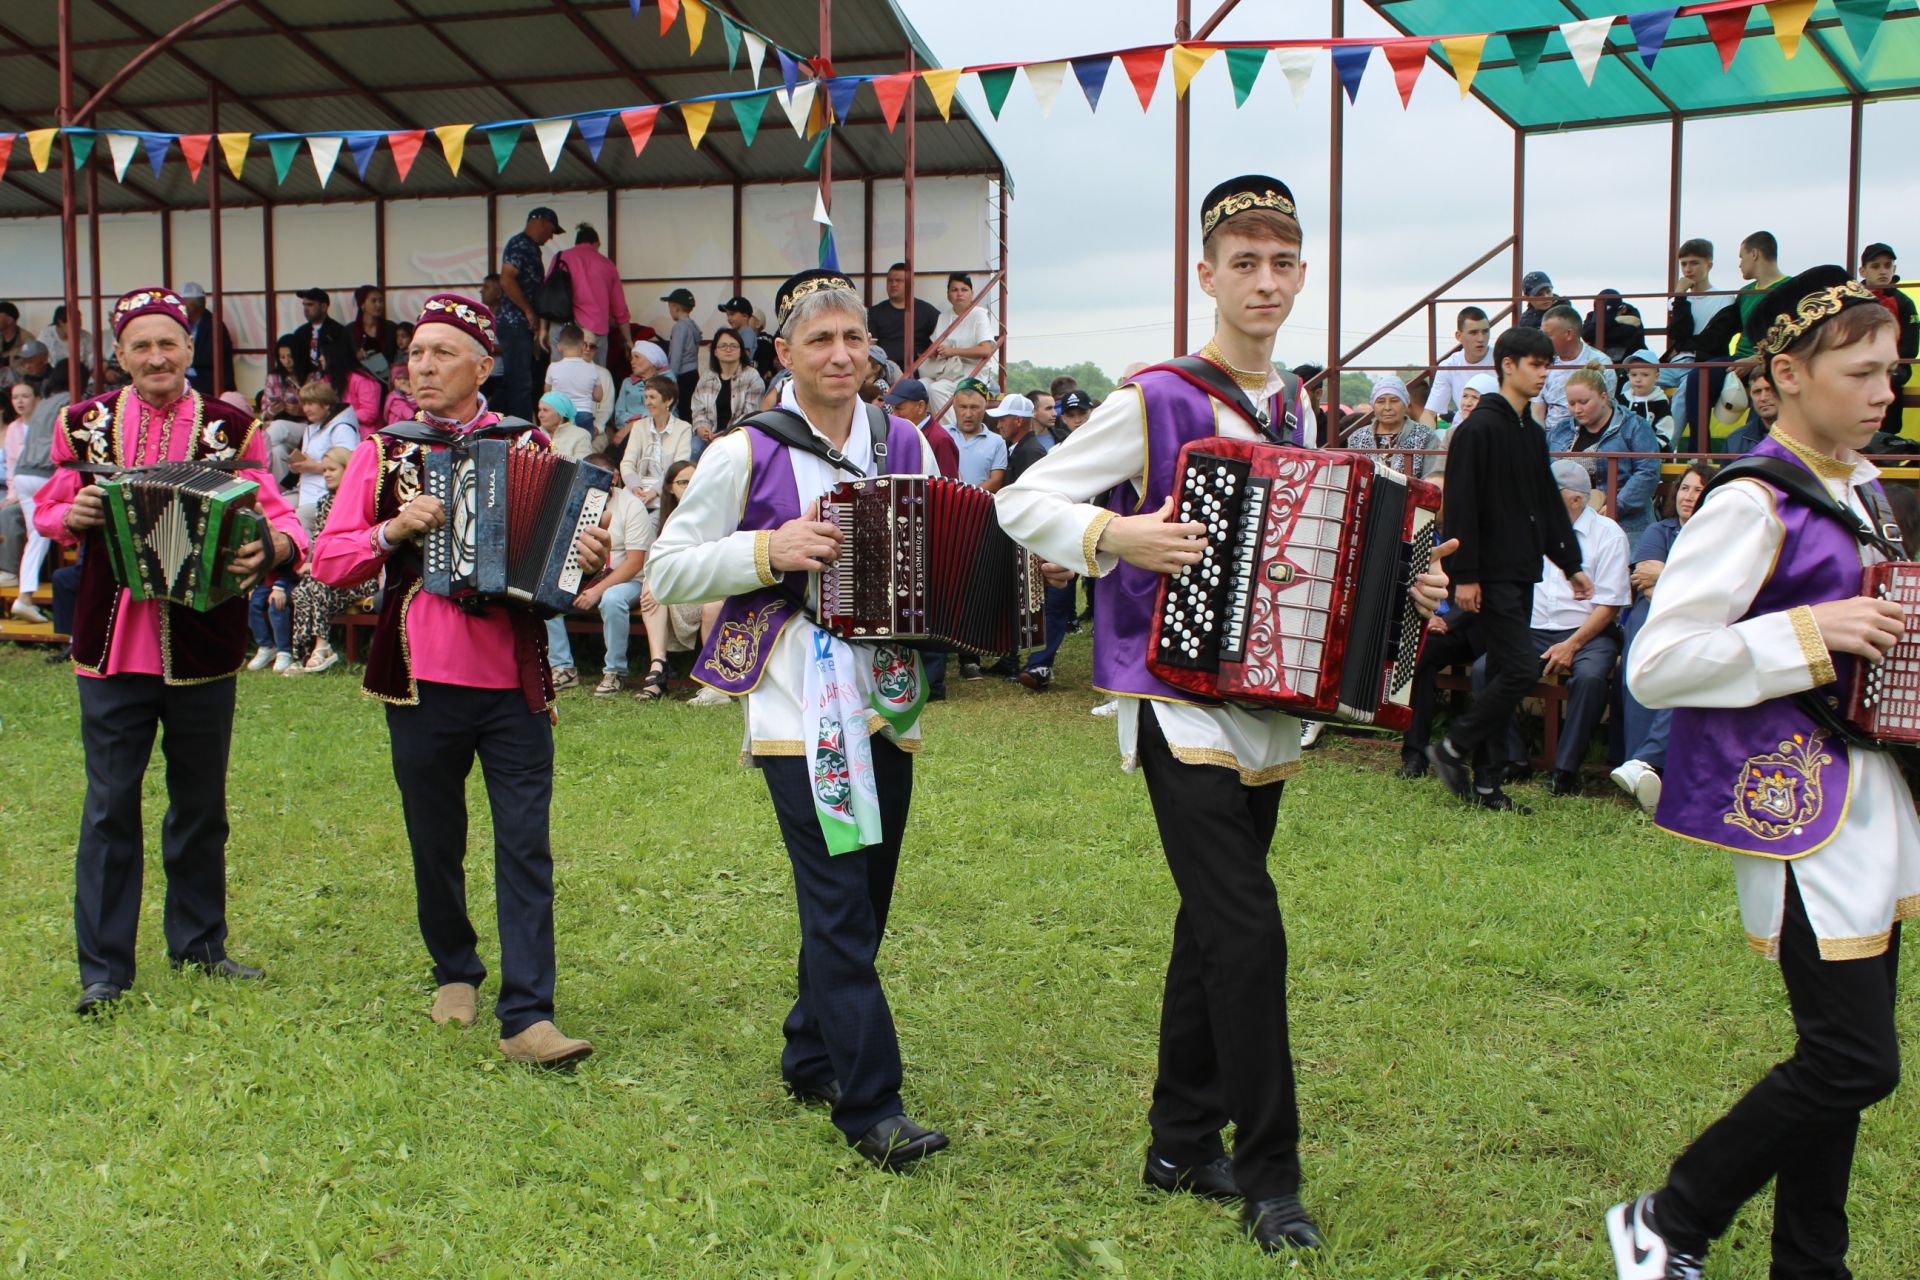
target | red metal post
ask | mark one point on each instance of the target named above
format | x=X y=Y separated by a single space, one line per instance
x=219 y=325
x=613 y=226
x=93 y=266
x=1336 y=182
x=1006 y=244
x=1855 y=120
x=739 y=256
x=1674 y=191
x=380 y=243
x=69 y=251
x=166 y=246
x=913 y=112
x=1519 y=216
x=493 y=233
x=866 y=236
x=267 y=278
x=1182 y=146
x=825 y=8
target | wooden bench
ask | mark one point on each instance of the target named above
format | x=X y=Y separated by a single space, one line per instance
x=1553 y=707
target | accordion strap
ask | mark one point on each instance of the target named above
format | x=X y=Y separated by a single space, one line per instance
x=413 y=431
x=112 y=469
x=1216 y=382
x=1798 y=483
x=790 y=429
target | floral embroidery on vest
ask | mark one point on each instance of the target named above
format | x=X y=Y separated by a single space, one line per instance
x=1778 y=793
x=737 y=649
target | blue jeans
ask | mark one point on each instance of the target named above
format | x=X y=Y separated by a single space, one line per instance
x=516 y=372
x=1645 y=729
x=559 y=647
x=1061 y=605
x=616 y=622
x=272 y=627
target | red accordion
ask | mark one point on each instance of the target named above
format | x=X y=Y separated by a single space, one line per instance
x=1300 y=601
x=924 y=563
x=1883 y=698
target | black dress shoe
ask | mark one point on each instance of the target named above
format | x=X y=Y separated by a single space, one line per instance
x=1515 y=775
x=1211 y=1181
x=1499 y=802
x=1279 y=1224
x=825 y=1094
x=1564 y=783
x=897 y=1142
x=221 y=968
x=98 y=998
x=1411 y=766
x=1451 y=769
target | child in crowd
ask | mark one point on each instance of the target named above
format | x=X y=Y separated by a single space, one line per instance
x=399 y=406
x=555 y=416
x=1644 y=395
x=312 y=602
x=574 y=376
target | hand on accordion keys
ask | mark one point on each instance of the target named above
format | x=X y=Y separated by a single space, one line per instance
x=89 y=509
x=422 y=514
x=806 y=545
x=594 y=546
x=1864 y=626
x=1154 y=541
x=251 y=561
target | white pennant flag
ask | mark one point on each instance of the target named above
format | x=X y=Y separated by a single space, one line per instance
x=123 y=146
x=1045 y=78
x=325 y=151
x=553 y=136
x=1298 y=66
x=798 y=105
x=756 y=53
x=820 y=214
x=1586 y=40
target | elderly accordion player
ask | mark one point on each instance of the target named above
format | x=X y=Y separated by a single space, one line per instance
x=924 y=563
x=1300 y=600
x=513 y=516
x=173 y=528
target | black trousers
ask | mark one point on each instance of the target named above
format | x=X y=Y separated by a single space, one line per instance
x=119 y=717
x=1798 y=1125
x=840 y=1027
x=434 y=747
x=1224 y=1051
x=1457 y=646
x=1506 y=637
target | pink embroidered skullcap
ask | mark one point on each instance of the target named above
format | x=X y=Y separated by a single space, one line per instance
x=470 y=317
x=151 y=301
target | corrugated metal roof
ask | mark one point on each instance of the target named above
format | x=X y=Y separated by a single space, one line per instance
x=397 y=64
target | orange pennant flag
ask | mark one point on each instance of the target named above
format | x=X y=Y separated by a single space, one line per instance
x=405 y=145
x=639 y=122
x=669 y=10
x=193 y=146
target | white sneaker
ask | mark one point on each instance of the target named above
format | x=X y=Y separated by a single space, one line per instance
x=26 y=610
x=1310 y=731
x=282 y=663
x=322 y=657
x=1641 y=781
x=1111 y=707
x=709 y=697
x=1640 y=1252
x=262 y=658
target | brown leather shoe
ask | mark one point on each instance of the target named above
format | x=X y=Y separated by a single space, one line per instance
x=453 y=1003
x=542 y=1045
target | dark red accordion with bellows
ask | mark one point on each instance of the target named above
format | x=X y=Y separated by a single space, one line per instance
x=1300 y=601
x=1883 y=698
x=924 y=563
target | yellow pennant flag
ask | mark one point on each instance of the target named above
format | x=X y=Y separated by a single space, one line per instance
x=698 y=116
x=1463 y=55
x=1789 y=21
x=1187 y=62
x=696 y=25
x=235 y=147
x=40 y=146
x=941 y=82
x=453 y=143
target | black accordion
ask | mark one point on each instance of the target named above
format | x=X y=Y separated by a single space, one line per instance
x=513 y=515
x=924 y=563
x=173 y=528
x=1300 y=601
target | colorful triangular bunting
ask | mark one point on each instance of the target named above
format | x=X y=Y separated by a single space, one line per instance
x=789 y=69
x=1861 y=20
x=453 y=144
x=995 y=83
x=1296 y=64
x=1350 y=62
x=1789 y=19
x=1406 y=57
x=1187 y=61
x=1727 y=27
x=283 y=150
x=234 y=147
x=1650 y=32
x=1045 y=79
x=1463 y=55
x=639 y=122
x=593 y=131
x=697 y=115
x=1092 y=75
x=405 y=145
x=121 y=146
x=669 y=10
x=756 y=53
x=696 y=24
x=941 y=82
x=798 y=105
x=361 y=149
x=1586 y=41
x=819 y=148
x=325 y=150
x=40 y=147
x=79 y=147
x=156 y=148
x=6 y=151
x=502 y=141
x=552 y=137
x=1526 y=47
x=746 y=113
x=730 y=32
x=840 y=91
x=193 y=149
x=892 y=92
x=1143 y=68
x=1243 y=68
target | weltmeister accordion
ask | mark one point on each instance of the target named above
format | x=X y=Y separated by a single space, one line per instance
x=1300 y=600
x=513 y=515
x=1883 y=698
x=173 y=528
x=925 y=563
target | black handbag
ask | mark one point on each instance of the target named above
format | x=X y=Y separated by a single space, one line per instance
x=554 y=299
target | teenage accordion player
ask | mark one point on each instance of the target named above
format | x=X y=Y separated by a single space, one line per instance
x=1883 y=698
x=924 y=563
x=1300 y=601
x=174 y=527
x=513 y=517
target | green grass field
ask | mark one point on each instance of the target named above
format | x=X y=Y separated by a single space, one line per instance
x=1503 y=1025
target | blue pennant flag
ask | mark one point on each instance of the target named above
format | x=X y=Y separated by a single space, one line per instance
x=829 y=254
x=1650 y=32
x=1092 y=75
x=362 y=151
x=1350 y=60
x=840 y=91
x=789 y=69
x=156 y=149
x=594 y=130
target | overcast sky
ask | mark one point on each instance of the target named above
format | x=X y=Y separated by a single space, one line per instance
x=1428 y=189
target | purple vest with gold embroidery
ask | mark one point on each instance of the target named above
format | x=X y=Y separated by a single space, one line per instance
x=735 y=655
x=1766 y=780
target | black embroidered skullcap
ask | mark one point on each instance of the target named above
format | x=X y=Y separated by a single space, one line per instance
x=805 y=285
x=1237 y=195
x=1794 y=308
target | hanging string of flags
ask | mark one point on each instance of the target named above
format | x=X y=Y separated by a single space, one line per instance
x=812 y=101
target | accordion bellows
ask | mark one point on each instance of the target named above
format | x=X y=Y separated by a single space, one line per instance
x=925 y=563
x=1883 y=698
x=513 y=517
x=173 y=528
x=1300 y=600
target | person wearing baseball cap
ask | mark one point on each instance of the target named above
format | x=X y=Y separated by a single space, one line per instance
x=910 y=399
x=1075 y=406
x=683 y=343
x=518 y=325
x=1536 y=290
x=1880 y=273
x=149 y=666
x=739 y=314
x=201 y=321
x=322 y=345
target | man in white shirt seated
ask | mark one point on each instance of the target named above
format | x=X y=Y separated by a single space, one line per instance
x=958 y=354
x=1576 y=639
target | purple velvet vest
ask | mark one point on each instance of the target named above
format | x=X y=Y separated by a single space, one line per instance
x=1177 y=412
x=1766 y=780
x=735 y=655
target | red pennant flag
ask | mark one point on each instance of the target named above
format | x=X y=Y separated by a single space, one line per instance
x=1406 y=59
x=193 y=146
x=669 y=10
x=639 y=122
x=6 y=150
x=405 y=146
x=1143 y=68
x=1727 y=26
x=892 y=92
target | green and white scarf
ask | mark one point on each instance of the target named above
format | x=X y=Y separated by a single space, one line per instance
x=839 y=747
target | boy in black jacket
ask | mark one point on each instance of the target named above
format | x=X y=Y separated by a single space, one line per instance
x=1503 y=506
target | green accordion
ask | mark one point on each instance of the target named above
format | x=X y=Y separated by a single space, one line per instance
x=173 y=528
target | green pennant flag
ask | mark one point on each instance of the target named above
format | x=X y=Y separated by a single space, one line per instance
x=283 y=150
x=1526 y=47
x=819 y=146
x=731 y=31
x=1243 y=68
x=747 y=111
x=995 y=85
x=503 y=141
x=80 y=146
x=1860 y=19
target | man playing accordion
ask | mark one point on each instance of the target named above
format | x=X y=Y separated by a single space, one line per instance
x=148 y=665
